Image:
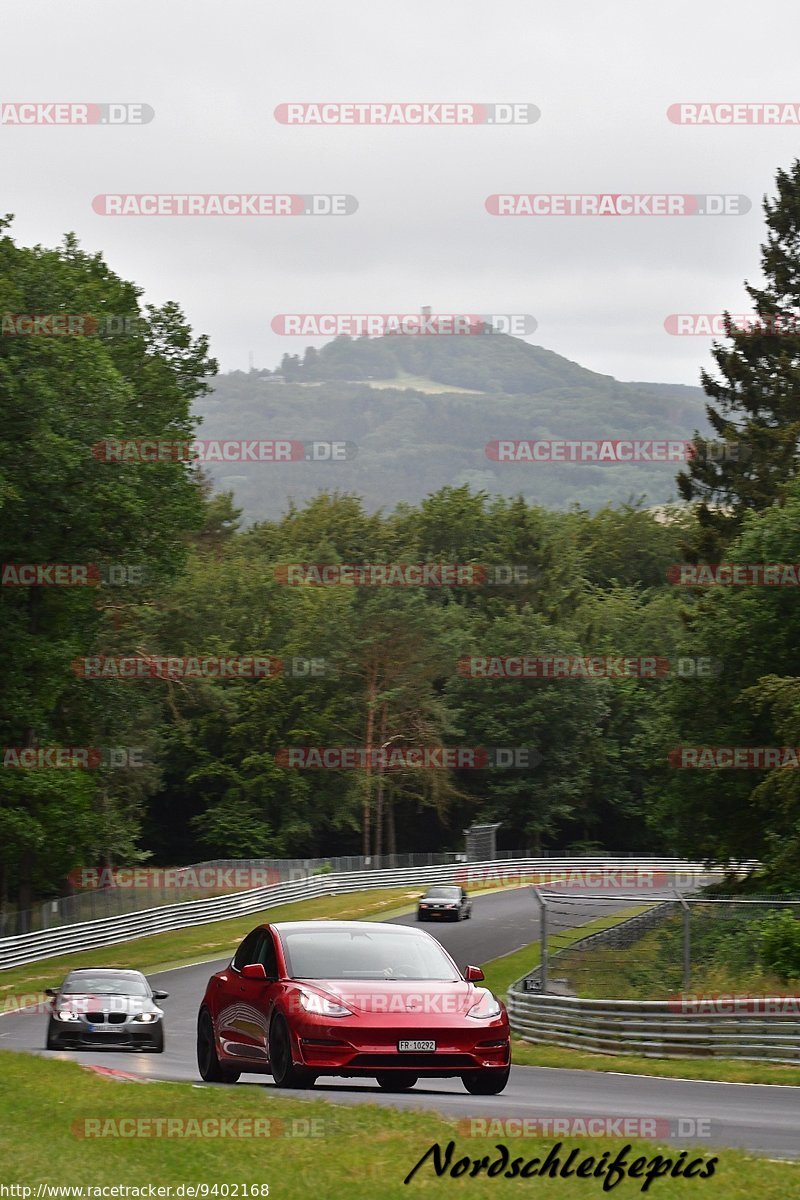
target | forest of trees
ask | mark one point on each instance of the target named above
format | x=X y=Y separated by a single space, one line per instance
x=597 y=583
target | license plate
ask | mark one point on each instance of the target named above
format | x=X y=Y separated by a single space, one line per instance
x=90 y=1028
x=418 y=1045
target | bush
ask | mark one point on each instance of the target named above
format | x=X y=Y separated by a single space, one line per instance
x=780 y=944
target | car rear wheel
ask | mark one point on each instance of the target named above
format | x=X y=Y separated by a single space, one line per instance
x=211 y=1069
x=486 y=1083
x=284 y=1072
x=396 y=1081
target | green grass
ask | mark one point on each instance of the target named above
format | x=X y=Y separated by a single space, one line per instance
x=725 y=1070
x=359 y=1152
x=200 y=943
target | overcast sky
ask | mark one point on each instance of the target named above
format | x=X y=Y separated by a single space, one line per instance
x=602 y=74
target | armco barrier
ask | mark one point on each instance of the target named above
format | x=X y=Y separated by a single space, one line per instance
x=47 y=943
x=654 y=1029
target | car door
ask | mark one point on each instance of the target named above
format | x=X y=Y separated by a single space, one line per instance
x=235 y=1023
x=257 y=997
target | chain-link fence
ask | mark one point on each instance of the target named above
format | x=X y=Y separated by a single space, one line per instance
x=109 y=893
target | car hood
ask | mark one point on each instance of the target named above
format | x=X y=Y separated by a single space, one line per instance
x=381 y=996
x=83 y=1002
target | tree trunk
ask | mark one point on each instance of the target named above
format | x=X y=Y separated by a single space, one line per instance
x=370 y=734
x=381 y=780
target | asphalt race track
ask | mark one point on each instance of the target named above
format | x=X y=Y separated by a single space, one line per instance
x=759 y=1118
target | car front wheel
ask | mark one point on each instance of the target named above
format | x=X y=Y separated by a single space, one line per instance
x=284 y=1072
x=211 y=1069
x=52 y=1042
x=486 y=1083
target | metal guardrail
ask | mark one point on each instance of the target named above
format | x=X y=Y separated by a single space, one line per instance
x=657 y=1028
x=65 y=939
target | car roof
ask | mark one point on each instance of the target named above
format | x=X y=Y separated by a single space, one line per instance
x=351 y=926
x=105 y=971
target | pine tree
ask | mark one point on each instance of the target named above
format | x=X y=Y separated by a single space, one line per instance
x=755 y=406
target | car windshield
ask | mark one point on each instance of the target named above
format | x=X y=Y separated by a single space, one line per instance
x=443 y=893
x=344 y=954
x=104 y=984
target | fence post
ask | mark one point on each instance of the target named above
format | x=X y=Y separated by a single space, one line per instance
x=542 y=936
x=687 y=943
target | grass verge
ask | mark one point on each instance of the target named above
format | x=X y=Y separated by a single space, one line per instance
x=359 y=1152
x=723 y=1070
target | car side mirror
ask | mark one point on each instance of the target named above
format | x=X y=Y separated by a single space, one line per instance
x=159 y=995
x=474 y=975
x=255 y=971
x=50 y=992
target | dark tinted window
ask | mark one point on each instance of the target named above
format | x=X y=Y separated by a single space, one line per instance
x=443 y=893
x=244 y=954
x=344 y=954
x=104 y=983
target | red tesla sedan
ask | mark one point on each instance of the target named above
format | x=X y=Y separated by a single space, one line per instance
x=351 y=998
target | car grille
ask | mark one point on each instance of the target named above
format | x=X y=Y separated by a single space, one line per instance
x=417 y=1061
x=96 y=1018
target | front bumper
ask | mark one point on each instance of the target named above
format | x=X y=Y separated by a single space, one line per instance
x=352 y=1049
x=127 y=1034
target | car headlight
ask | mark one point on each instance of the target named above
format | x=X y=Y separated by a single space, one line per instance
x=322 y=1007
x=68 y=1014
x=485 y=1008
x=147 y=1018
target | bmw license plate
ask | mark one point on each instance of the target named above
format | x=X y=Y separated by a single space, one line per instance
x=418 y=1045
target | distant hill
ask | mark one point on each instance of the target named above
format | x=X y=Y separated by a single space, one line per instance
x=412 y=440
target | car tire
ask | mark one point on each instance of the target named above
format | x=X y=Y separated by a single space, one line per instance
x=52 y=1042
x=489 y=1082
x=420 y=917
x=284 y=1072
x=396 y=1081
x=208 y=1064
x=158 y=1041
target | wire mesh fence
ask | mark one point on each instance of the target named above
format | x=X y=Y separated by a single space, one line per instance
x=686 y=948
